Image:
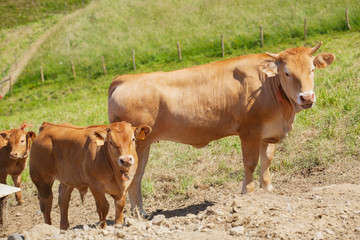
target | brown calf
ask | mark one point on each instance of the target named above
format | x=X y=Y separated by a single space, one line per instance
x=14 y=150
x=102 y=158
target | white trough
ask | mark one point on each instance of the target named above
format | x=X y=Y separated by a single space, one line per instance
x=7 y=190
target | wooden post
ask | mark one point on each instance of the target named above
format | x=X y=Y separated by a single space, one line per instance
x=261 y=36
x=73 y=69
x=103 y=62
x=3 y=210
x=347 y=18
x=10 y=84
x=222 y=45
x=83 y=3
x=305 y=29
x=179 y=51
x=42 y=75
x=66 y=7
x=133 y=58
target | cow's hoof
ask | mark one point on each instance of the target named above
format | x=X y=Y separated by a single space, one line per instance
x=249 y=188
x=20 y=202
x=268 y=188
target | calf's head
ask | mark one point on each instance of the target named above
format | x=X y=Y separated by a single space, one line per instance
x=18 y=141
x=119 y=139
x=295 y=68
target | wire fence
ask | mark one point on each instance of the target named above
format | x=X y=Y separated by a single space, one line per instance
x=7 y=81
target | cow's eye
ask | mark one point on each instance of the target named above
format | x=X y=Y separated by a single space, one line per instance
x=133 y=139
x=313 y=70
x=287 y=74
x=22 y=141
x=111 y=142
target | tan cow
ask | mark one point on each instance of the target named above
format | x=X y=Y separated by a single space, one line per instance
x=255 y=97
x=102 y=158
x=14 y=151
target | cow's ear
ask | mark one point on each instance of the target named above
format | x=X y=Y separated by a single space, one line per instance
x=31 y=135
x=142 y=132
x=268 y=67
x=323 y=60
x=4 y=137
x=25 y=125
x=99 y=137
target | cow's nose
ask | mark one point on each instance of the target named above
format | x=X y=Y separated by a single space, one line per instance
x=307 y=97
x=13 y=154
x=126 y=161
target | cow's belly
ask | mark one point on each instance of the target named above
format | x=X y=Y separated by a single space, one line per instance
x=275 y=131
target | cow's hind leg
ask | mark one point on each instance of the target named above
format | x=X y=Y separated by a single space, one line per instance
x=102 y=205
x=45 y=196
x=250 y=150
x=17 y=182
x=267 y=151
x=143 y=151
x=64 y=199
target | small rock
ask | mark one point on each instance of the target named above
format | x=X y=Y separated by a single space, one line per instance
x=357 y=211
x=15 y=236
x=86 y=228
x=190 y=215
x=210 y=225
x=42 y=230
x=158 y=219
x=329 y=231
x=162 y=230
x=18 y=214
x=237 y=231
x=119 y=233
x=357 y=229
x=105 y=232
x=318 y=236
x=342 y=216
x=129 y=222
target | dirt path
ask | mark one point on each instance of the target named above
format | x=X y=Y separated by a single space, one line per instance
x=16 y=69
x=321 y=203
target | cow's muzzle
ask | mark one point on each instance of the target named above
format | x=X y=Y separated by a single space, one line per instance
x=306 y=100
x=126 y=161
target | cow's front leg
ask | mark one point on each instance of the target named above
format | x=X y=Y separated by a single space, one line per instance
x=64 y=199
x=267 y=151
x=17 y=182
x=135 y=187
x=102 y=205
x=250 y=149
x=119 y=208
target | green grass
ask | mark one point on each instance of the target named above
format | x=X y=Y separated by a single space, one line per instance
x=326 y=133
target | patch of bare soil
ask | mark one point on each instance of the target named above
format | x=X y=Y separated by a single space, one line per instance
x=320 y=203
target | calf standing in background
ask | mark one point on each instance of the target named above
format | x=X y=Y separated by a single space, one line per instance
x=102 y=158
x=14 y=150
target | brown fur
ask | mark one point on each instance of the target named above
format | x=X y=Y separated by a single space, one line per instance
x=84 y=157
x=14 y=149
x=238 y=96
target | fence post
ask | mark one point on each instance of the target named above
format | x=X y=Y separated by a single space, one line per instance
x=10 y=84
x=3 y=210
x=222 y=45
x=42 y=75
x=261 y=36
x=65 y=7
x=103 y=62
x=73 y=69
x=133 y=58
x=179 y=51
x=347 y=18
x=83 y=3
x=305 y=29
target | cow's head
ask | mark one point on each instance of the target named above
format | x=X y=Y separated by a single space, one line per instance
x=18 y=141
x=296 y=67
x=119 y=139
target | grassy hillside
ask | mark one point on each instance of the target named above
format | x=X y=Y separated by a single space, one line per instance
x=326 y=133
x=114 y=28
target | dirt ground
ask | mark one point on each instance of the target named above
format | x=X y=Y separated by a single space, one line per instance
x=321 y=203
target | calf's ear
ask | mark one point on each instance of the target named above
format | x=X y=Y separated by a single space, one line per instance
x=323 y=60
x=142 y=132
x=98 y=137
x=268 y=67
x=4 y=137
x=31 y=135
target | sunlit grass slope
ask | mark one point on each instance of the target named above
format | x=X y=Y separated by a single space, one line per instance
x=112 y=29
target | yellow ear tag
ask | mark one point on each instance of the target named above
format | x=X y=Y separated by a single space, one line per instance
x=141 y=135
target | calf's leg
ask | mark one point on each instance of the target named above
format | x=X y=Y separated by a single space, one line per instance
x=267 y=151
x=143 y=151
x=17 y=182
x=64 y=199
x=102 y=205
x=250 y=149
x=119 y=208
